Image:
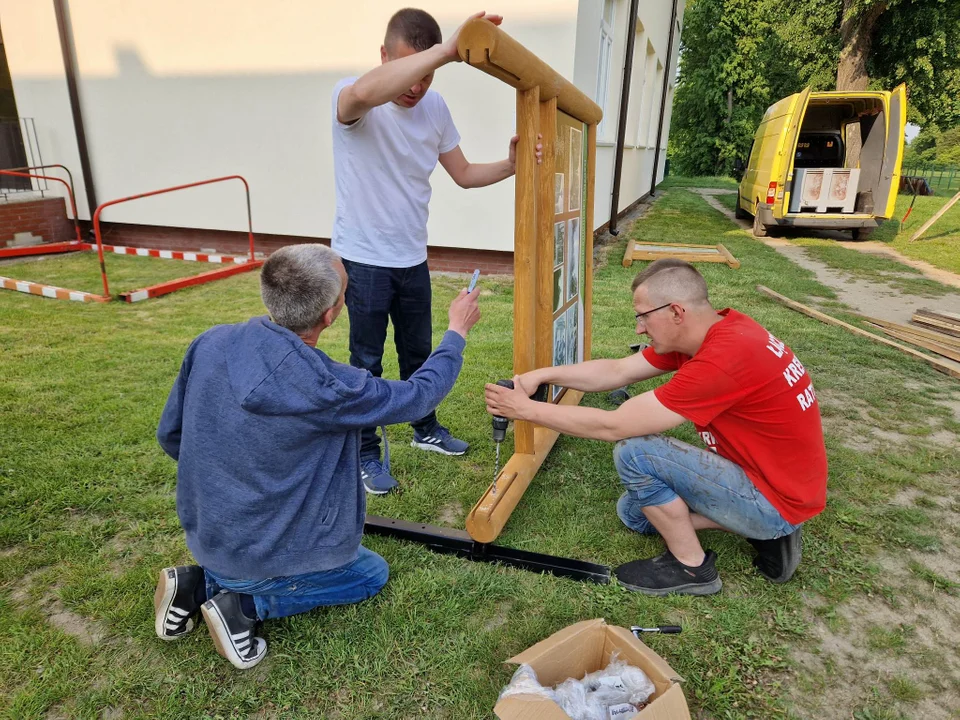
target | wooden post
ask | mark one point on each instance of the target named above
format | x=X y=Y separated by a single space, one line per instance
x=545 y=223
x=525 y=251
x=940 y=213
x=587 y=233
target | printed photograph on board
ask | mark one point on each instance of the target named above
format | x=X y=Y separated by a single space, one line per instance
x=558 y=193
x=557 y=288
x=573 y=258
x=573 y=339
x=559 y=346
x=559 y=239
x=576 y=138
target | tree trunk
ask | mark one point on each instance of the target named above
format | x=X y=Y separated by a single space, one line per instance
x=856 y=38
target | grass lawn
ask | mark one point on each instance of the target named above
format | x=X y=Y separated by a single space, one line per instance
x=88 y=519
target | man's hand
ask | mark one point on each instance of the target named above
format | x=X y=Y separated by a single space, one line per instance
x=450 y=46
x=506 y=402
x=512 y=151
x=527 y=382
x=464 y=312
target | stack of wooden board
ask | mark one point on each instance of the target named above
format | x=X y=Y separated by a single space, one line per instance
x=944 y=323
x=944 y=340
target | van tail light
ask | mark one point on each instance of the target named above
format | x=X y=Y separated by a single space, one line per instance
x=772 y=193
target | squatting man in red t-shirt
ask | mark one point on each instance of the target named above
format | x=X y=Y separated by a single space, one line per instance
x=765 y=470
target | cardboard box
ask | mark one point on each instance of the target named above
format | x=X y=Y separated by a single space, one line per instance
x=582 y=648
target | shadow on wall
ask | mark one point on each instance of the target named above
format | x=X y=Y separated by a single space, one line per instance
x=146 y=132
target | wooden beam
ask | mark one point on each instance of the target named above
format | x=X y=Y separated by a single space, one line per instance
x=936 y=364
x=930 y=335
x=525 y=250
x=488 y=517
x=488 y=48
x=545 y=221
x=586 y=235
x=926 y=226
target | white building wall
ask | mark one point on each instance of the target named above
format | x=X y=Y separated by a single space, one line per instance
x=180 y=90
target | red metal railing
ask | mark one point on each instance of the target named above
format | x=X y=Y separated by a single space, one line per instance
x=73 y=200
x=100 y=209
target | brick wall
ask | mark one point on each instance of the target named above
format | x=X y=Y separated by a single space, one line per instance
x=490 y=262
x=45 y=218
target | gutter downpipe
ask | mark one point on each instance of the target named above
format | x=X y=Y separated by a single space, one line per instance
x=70 y=67
x=622 y=121
x=663 y=98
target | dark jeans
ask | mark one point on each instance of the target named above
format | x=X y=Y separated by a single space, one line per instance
x=404 y=296
x=282 y=596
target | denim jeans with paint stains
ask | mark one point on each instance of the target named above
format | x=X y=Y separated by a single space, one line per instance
x=655 y=470
x=282 y=596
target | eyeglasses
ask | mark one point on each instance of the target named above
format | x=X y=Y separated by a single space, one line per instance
x=641 y=316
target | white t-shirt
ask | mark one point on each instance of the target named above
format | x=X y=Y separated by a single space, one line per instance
x=382 y=164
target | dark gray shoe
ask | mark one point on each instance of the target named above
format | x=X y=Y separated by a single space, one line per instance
x=174 y=602
x=778 y=559
x=665 y=574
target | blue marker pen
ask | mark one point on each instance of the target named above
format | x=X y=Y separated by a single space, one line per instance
x=473 y=280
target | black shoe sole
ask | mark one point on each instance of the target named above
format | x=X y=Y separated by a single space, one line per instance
x=790 y=555
x=710 y=588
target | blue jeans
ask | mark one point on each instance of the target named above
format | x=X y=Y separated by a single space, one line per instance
x=282 y=596
x=655 y=470
x=403 y=295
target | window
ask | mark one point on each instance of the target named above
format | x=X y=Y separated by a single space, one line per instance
x=647 y=95
x=605 y=62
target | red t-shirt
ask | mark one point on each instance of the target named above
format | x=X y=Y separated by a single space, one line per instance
x=753 y=403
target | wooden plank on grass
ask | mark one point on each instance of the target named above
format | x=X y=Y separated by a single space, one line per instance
x=929 y=335
x=929 y=319
x=926 y=226
x=938 y=348
x=936 y=364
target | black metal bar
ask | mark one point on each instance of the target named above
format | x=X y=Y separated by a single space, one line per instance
x=622 y=121
x=663 y=97
x=458 y=542
x=69 y=66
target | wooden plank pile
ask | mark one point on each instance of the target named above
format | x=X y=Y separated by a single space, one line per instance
x=938 y=332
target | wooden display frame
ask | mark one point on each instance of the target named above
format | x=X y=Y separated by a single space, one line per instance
x=543 y=96
x=680 y=251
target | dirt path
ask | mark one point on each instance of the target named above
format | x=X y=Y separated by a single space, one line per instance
x=875 y=299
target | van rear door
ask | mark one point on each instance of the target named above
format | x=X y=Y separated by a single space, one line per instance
x=787 y=151
x=892 y=153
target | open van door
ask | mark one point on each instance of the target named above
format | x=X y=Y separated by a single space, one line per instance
x=892 y=153
x=787 y=152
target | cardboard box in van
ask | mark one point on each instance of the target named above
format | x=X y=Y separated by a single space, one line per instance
x=582 y=648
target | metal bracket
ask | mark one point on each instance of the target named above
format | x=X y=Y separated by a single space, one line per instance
x=458 y=542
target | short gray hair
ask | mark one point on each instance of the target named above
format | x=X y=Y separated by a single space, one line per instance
x=670 y=280
x=299 y=283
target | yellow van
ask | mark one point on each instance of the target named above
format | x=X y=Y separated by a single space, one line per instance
x=799 y=173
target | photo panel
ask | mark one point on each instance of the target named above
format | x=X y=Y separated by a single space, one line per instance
x=559 y=346
x=573 y=258
x=558 y=193
x=573 y=338
x=576 y=151
x=557 y=288
x=559 y=240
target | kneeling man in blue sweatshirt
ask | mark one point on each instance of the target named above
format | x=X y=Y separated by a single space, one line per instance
x=265 y=429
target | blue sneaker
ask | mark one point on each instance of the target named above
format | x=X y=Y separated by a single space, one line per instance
x=439 y=440
x=377 y=480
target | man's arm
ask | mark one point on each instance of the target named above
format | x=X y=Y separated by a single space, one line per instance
x=642 y=415
x=384 y=83
x=593 y=375
x=474 y=175
x=170 y=427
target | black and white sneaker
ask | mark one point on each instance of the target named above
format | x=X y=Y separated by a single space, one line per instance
x=778 y=559
x=665 y=574
x=440 y=440
x=232 y=631
x=175 y=601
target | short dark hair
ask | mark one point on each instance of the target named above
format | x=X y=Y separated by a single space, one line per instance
x=675 y=280
x=416 y=28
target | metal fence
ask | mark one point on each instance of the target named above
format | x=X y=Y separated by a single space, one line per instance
x=942 y=179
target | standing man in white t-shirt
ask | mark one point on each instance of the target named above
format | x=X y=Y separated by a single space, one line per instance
x=389 y=131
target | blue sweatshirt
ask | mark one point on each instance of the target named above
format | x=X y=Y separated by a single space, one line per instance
x=266 y=432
